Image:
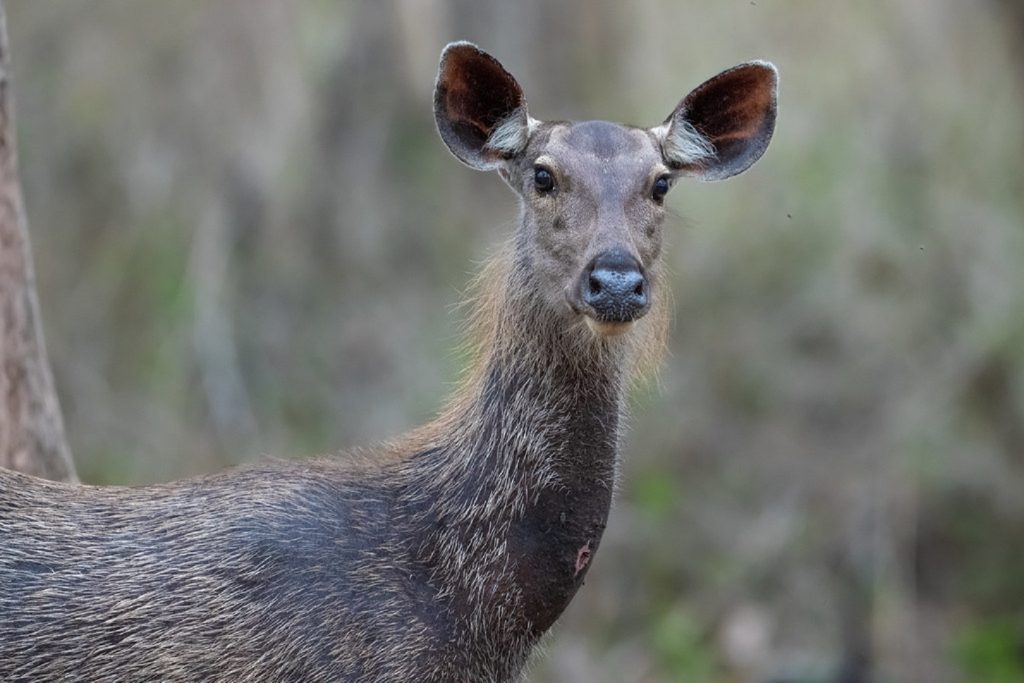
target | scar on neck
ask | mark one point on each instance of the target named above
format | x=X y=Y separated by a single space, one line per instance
x=582 y=558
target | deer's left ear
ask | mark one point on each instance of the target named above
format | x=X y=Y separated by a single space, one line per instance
x=724 y=125
x=479 y=108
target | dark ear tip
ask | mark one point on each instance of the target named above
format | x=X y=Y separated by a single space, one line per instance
x=461 y=56
x=463 y=52
x=460 y=48
x=761 y=64
x=763 y=69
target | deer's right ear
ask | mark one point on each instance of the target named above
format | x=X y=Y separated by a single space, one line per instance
x=479 y=108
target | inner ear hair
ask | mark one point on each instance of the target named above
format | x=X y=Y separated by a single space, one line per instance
x=683 y=146
x=509 y=136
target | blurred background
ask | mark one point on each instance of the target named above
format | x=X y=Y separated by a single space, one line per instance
x=249 y=241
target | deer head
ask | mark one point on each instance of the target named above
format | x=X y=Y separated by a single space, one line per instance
x=593 y=192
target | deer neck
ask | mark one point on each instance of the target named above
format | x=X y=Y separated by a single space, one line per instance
x=523 y=475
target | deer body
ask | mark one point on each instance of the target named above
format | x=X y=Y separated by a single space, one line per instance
x=444 y=563
x=445 y=555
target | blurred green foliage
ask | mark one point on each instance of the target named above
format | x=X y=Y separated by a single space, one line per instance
x=991 y=652
x=678 y=643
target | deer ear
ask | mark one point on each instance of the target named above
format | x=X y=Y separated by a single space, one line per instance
x=724 y=125
x=479 y=107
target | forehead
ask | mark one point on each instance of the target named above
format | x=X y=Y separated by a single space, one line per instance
x=609 y=145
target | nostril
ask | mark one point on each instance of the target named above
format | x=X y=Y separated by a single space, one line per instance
x=614 y=287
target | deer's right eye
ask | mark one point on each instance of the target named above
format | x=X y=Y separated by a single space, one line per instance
x=661 y=188
x=543 y=180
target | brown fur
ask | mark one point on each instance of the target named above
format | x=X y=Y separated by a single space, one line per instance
x=443 y=556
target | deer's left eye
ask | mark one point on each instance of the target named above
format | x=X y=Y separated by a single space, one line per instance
x=543 y=180
x=661 y=186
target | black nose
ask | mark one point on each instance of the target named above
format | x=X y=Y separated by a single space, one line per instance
x=614 y=287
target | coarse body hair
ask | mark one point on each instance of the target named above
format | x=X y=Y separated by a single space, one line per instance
x=441 y=556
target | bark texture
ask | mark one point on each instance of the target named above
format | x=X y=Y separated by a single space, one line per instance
x=31 y=429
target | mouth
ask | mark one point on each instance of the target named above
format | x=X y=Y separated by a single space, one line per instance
x=601 y=328
x=608 y=328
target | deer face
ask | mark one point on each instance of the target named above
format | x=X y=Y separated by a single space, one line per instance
x=593 y=192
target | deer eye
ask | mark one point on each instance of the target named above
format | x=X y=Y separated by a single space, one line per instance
x=660 y=189
x=543 y=180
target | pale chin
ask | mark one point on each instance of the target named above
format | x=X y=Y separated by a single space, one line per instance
x=608 y=329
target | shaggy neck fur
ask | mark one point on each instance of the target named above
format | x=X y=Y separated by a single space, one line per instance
x=509 y=490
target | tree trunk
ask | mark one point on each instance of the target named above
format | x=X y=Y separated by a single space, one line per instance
x=31 y=429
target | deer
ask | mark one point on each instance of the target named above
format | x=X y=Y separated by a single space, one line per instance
x=447 y=553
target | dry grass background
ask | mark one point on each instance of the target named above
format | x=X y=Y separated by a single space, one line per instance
x=249 y=241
